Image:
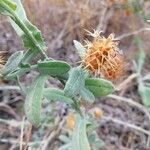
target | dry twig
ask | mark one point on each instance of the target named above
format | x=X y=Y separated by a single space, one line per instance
x=126 y=124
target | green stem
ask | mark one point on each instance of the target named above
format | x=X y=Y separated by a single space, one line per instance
x=17 y=20
x=33 y=66
x=77 y=107
x=20 y=85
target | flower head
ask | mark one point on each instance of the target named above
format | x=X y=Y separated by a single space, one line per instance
x=103 y=57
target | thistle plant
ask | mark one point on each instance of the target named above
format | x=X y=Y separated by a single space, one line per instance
x=100 y=59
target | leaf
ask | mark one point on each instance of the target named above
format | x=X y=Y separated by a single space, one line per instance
x=34 y=100
x=75 y=82
x=53 y=67
x=57 y=95
x=30 y=34
x=64 y=139
x=79 y=138
x=29 y=54
x=80 y=48
x=65 y=147
x=10 y=4
x=87 y=95
x=13 y=62
x=17 y=72
x=99 y=87
x=141 y=55
x=144 y=92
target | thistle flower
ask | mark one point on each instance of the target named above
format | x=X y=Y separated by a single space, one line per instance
x=102 y=56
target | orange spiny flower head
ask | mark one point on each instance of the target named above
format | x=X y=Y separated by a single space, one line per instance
x=103 y=57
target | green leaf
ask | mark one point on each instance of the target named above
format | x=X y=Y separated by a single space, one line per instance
x=10 y=4
x=75 y=83
x=30 y=34
x=79 y=138
x=32 y=29
x=34 y=100
x=64 y=138
x=13 y=62
x=144 y=92
x=141 y=54
x=80 y=48
x=99 y=87
x=54 y=94
x=87 y=95
x=17 y=72
x=29 y=54
x=65 y=147
x=53 y=67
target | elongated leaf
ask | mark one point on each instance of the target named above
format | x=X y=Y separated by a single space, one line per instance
x=81 y=50
x=75 y=82
x=10 y=4
x=141 y=54
x=65 y=147
x=31 y=36
x=64 y=139
x=34 y=100
x=17 y=72
x=13 y=62
x=79 y=139
x=54 y=94
x=33 y=30
x=144 y=92
x=53 y=67
x=87 y=95
x=99 y=87
x=28 y=55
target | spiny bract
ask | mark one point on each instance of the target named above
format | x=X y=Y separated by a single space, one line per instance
x=103 y=57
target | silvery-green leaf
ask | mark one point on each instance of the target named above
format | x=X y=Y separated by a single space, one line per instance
x=79 y=138
x=75 y=83
x=99 y=87
x=13 y=62
x=53 y=67
x=80 y=48
x=33 y=100
x=144 y=92
x=54 y=94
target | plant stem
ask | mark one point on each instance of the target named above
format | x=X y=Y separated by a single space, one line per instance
x=17 y=20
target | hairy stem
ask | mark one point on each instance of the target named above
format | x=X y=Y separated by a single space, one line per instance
x=17 y=20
